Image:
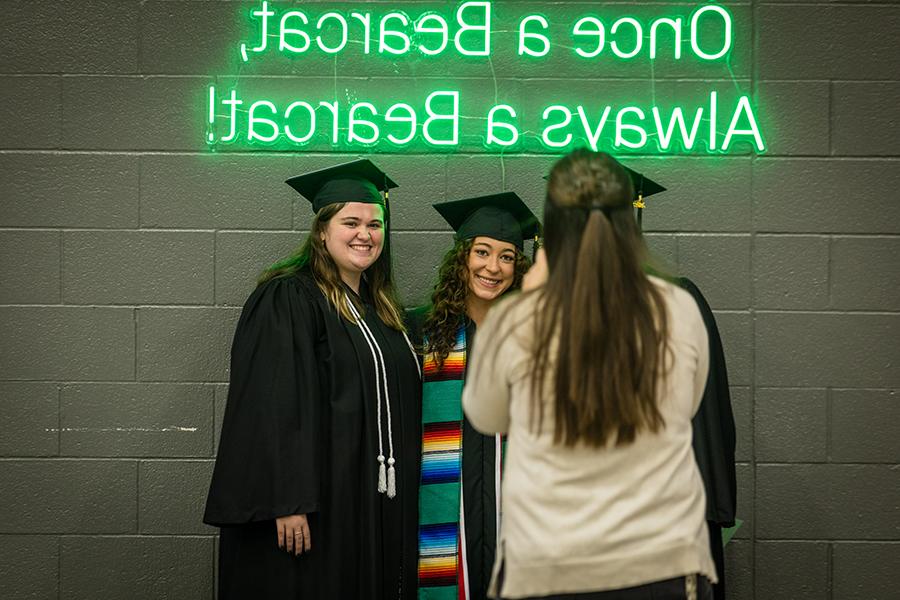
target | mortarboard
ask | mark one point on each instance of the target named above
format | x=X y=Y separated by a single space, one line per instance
x=502 y=216
x=356 y=181
x=643 y=187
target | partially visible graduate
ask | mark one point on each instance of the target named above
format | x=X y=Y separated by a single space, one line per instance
x=595 y=372
x=315 y=483
x=459 y=494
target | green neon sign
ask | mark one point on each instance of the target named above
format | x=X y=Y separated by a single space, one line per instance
x=344 y=110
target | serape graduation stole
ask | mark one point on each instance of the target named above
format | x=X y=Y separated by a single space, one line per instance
x=440 y=552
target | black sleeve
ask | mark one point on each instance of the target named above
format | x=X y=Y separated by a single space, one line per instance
x=414 y=319
x=267 y=464
x=714 y=431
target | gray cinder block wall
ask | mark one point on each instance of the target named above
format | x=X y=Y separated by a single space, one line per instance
x=127 y=248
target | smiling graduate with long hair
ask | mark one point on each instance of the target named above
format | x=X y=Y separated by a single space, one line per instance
x=459 y=499
x=315 y=482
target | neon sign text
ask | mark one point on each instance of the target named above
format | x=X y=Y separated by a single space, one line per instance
x=366 y=112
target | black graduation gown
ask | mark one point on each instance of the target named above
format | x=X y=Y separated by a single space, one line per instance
x=480 y=497
x=479 y=482
x=300 y=436
x=714 y=440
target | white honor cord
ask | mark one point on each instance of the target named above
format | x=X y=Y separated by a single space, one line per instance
x=386 y=483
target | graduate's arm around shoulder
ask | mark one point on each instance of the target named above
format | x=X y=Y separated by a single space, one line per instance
x=486 y=394
x=268 y=465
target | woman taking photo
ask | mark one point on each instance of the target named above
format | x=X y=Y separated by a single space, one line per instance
x=595 y=375
x=315 y=482
x=459 y=495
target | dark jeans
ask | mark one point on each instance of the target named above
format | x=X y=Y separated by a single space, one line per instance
x=669 y=589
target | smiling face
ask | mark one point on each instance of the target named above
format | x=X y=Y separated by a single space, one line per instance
x=492 y=266
x=354 y=238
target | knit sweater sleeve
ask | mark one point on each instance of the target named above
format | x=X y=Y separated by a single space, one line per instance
x=487 y=391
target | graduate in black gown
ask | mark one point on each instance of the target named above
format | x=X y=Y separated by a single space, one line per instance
x=315 y=483
x=713 y=425
x=461 y=468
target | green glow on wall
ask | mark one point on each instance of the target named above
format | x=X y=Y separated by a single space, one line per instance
x=422 y=106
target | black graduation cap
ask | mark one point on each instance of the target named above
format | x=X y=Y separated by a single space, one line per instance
x=502 y=216
x=355 y=181
x=643 y=187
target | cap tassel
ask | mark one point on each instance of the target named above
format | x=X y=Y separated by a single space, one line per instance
x=391 y=479
x=639 y=205
x=382 y=478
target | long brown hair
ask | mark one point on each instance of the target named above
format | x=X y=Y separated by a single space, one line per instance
x=314 y=255
x=609 y=319
x=448 y=299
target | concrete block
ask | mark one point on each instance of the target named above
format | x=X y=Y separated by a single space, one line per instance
x=866 y=117
x=241 y=256
x=719 y=265
x=826 y=349
x=67 y=37
x=522 y=175
x=138 y=267
x=790 y=272
x=793 y=117
x=84 y=344
x=663 y=251
x=31 y=111
x=29 y=566
x=423 y=181
x=736 y=331
x=742 y=407
x=68 y=190
x=470 y=176
x=863 y=571
x=125 y=113
x=746 y=501
x=739 y=570
x=184 y=344
x=173 y=496
x=823 y=501
x=22 y=255
x=212 y=191
x=135 y=419
x=29 y=419
x=142 y=568
x=416 y=277
x=863 y=426
x=825 y=195
x=791 y=425
x=68 y=496
x=864 y=274
x=867 y=52
x=171 y=43
x=792 y=570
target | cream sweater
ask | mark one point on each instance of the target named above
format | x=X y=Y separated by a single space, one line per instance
x=585 y=519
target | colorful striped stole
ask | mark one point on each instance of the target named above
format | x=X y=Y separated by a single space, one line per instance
x=440 y=543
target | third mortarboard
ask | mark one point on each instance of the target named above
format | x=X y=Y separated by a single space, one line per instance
x=643 y=187
x=356 y=181
x=502 y=216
